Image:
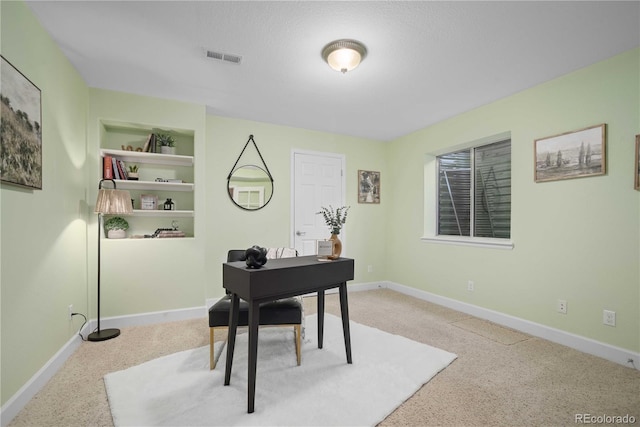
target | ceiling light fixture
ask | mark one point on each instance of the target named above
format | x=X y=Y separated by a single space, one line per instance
x=344 y=55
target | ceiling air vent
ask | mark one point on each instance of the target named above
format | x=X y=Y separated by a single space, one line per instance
x=227 y=57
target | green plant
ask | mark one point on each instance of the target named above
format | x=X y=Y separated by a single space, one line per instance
x=165 y=140
x=133 y=168
x=116 y=223
x=334 y=218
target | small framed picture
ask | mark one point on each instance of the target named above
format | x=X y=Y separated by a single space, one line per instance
x=368 y=186
x=574 y=154
x=636 y=173
x=148 y=202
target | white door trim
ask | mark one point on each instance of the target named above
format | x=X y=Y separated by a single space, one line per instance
x=292 y=190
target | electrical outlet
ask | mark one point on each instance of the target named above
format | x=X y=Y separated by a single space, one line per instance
x=70 y=311
x=369 y=268
x=561 y=306
x=609 y=317
x=470 y=286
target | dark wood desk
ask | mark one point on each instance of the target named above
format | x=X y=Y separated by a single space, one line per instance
x=282 y=278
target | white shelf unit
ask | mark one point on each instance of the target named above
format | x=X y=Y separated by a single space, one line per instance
x=153 y=158
x=152 y=166
x=153 y=185
x=161 y=213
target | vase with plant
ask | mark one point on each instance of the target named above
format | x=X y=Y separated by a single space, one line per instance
x=116 y=227
x=133 y=172
x=167 y=143
x=335 y=220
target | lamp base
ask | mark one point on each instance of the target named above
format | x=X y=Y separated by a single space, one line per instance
x=103 y=335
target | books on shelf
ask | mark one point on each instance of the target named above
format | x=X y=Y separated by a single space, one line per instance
x=119 y=169
x=107 y=167
x=150 y=144
x=170 y=233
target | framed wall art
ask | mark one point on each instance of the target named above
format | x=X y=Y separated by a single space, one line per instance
x=368 y=186
x=574 y=154
x=21 y=129
x=636 y=173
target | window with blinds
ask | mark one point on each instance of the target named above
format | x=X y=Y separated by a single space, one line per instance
x=474 y=191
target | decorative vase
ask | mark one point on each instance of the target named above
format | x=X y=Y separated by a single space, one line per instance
x=167 y=150
x=337 y=247
x=116 y=234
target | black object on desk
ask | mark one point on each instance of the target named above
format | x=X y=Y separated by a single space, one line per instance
x=282 y=278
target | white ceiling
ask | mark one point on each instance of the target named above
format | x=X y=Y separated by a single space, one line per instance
x=427 y=60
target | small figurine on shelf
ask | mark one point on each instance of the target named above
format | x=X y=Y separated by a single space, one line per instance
x=169 y=205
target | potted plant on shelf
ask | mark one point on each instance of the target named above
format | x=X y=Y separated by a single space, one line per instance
x=115 y=227
x=133 y=172
x=335 y=220
x=167 y=143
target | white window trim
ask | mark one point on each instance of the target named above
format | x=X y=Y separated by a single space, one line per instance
x=431 y=196
x=481 y=242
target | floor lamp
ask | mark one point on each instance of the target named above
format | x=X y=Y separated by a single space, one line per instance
x=109 y=202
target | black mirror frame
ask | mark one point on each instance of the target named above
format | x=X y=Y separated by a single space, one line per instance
x=266 y=201
x=266 y=170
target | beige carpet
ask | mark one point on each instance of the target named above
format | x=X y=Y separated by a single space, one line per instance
x=528 y=383
x=489 y=330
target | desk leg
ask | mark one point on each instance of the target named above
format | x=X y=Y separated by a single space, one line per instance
x=231 y=340
x=254 y=321
x=344 y=309
x=320 y=318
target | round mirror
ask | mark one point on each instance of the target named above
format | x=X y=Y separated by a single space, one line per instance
x=250 y=187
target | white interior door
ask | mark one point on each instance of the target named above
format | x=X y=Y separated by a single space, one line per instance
x=318 y=180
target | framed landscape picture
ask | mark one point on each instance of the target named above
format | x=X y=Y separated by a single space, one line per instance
x=636 y=173
x=21 y=129
x=574 y=154
x=368 y=186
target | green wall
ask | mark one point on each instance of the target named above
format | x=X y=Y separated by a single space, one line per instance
x=231 y=227
x=576 y=239
x=43 y=232
x=147 y=275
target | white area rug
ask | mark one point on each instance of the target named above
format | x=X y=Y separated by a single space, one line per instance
x=180 y=390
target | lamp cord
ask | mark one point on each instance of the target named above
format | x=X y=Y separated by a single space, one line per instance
x=82 y=326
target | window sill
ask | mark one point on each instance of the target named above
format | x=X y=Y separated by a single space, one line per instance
x=470 y=241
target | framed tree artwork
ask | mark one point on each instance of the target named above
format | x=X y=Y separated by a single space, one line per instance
x=574 y=154
x=21 y=129
x=368 y=186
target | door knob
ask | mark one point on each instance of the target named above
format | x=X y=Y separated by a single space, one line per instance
x=300 y=233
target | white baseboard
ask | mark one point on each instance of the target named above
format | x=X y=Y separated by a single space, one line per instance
x=586 y=345
x=151 y=318
x=615 y=354
x=18 y=401
x=15 y=404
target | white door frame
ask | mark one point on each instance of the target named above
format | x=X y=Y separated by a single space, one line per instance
x=292 y=191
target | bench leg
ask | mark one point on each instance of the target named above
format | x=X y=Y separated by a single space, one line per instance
x=297 y=329
x=212 y=360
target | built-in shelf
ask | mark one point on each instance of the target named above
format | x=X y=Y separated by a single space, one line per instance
x=127 y=184
x=143 y=157
x=162 y=213
x=152 y=166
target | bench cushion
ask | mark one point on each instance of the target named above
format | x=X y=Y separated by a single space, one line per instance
x=281 y=312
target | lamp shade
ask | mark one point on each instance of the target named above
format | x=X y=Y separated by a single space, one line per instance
x=113 y=202
x=344 y=55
